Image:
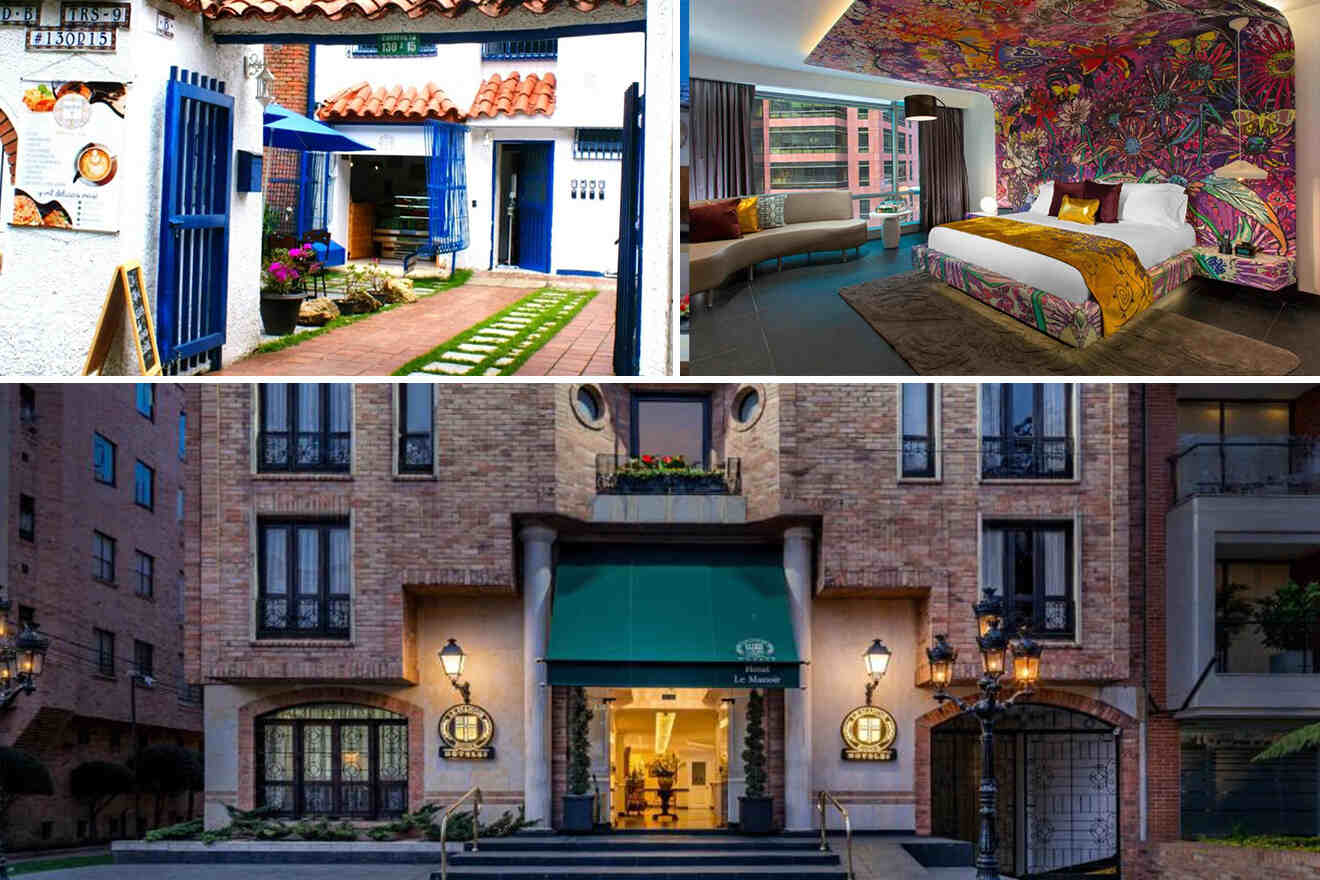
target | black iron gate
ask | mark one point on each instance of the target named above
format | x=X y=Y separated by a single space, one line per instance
x=628 y=302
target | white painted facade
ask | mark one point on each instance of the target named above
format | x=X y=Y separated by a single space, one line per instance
x=53 y=282
x=591 y=75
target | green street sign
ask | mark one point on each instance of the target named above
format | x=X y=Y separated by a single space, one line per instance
x=397 y=44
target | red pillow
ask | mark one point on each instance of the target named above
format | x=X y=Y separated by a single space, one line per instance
x=1107 y=193
x=1062 y=189
x=715 y=221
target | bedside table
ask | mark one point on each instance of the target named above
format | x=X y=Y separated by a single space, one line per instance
x=1265 y=271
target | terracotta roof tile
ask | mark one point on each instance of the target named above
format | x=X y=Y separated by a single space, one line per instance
x=362 y=103
x=513 y=94
x=274 y=10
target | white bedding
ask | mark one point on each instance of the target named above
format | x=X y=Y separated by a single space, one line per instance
x=1153 y=245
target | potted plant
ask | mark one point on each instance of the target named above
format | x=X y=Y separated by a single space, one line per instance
x=1232 y=614
x=755 y=809
x=663 y=474
x=281 y=293
x=664 y=769
x=580 y=802
x=1289 y=622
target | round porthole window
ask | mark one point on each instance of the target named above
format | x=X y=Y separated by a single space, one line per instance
x=747 y=406
x=588 y=405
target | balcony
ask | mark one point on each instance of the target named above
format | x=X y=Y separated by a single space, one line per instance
x=1026 y=458
x=631 y=490
x=1284 y=467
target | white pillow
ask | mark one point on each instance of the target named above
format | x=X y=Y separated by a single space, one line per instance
x=1158 y=204
x=1043 y=199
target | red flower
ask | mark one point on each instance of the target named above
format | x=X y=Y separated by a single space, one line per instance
x=648 y=459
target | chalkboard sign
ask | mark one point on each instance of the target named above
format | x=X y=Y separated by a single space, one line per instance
x=128 y=288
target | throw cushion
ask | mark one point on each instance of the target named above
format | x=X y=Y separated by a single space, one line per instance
x=1108 y=194
x=747 y=215
x=1079 y=210
x=714 y=221
x=770 y=211
x=1076 y=190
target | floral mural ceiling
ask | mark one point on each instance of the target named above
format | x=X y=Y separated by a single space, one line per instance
x=1119 y=89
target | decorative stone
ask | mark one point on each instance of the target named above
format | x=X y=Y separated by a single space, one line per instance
x=317 y=312
x=358 y=302
x=398 y=290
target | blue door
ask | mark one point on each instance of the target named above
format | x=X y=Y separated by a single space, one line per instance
x=534 y=205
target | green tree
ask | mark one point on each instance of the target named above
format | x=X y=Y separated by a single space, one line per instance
x=754 y=752
x=579 y=744
x=96 y=784
x=165 y=770
x=20 y=774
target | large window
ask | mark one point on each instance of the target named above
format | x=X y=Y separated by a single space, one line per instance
x=305 y=427
x=1030 y=564
x=304 y=579
x=103 y=557
x=146 y=399
x=144 y=657
x=144 y=486
x=919 y=432
x=672 y=424
x=333 y=760
x=105 y=651
x=1026 y=431
x=145 y=566
x=103 y=460
x=806 y=144
x=416 y=427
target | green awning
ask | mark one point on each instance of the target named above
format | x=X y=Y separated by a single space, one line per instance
x=671 y=615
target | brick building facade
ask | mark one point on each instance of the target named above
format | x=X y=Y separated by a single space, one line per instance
x=86 y=468
x=885 y=513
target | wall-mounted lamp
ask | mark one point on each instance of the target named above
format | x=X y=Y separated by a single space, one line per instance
x=877 y=664
x=921 y=108
x=452 y=659
x=254 y=67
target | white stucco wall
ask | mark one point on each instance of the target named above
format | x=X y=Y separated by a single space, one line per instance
x=53 y=282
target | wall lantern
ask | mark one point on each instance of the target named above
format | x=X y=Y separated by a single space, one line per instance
x=877 y=664
x=254 y=67
x=452 y=659
x=942 y=656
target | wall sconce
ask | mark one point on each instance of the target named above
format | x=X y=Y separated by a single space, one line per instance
x=573 y=189
x=452 y=659
x=877 y=664
x=254 y=67
x=602 y=189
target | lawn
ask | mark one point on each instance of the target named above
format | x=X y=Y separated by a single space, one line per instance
x=36 y=866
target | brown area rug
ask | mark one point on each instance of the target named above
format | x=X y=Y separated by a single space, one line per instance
x=942 y=331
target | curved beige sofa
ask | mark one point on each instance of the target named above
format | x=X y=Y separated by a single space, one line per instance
x=814 y=221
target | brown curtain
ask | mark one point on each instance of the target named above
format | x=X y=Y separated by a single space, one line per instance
x=720 y=139
x=943 y=169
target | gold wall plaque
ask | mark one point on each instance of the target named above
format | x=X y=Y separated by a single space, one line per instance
x=868 y=734
x=465 y=733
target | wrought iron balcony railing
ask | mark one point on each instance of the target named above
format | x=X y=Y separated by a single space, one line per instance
x=624 y=475
x=1283 y=467
x=517 y=50
x=1027 y=458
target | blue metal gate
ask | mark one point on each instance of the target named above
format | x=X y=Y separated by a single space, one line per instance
x=194 y=223
x=446 y=191
x=535 y=205
x=628 y=302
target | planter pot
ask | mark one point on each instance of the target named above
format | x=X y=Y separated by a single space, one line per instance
x=756 y=815
x=712 y=484
x=279 y=312
x=1288 y=661
x=579 y=813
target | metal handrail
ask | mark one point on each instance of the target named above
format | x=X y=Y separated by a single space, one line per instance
x=823 y=800
x=475 y=793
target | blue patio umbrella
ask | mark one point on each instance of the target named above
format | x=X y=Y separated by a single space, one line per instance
x=274 y=113
x=296 y=132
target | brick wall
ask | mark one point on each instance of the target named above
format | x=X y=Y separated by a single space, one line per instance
x=289 y=64
x=1198 y=861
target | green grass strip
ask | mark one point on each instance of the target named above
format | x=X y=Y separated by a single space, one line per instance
x=36 y=866
x=556 y=318
x=423 y=287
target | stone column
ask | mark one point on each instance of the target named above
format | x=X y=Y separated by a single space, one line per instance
x=538 y=572
x=797 y=703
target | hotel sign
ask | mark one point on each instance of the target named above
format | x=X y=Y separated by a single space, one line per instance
x=465 y=733
x=868 y=734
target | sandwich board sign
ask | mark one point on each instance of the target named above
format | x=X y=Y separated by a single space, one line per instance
x=126 y=299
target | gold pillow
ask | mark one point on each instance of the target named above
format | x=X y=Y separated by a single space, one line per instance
x=747 y=215
x=1079 y=210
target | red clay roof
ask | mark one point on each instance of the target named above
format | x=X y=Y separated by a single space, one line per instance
x=361 y=103
x=513 y=94
x=273 y=10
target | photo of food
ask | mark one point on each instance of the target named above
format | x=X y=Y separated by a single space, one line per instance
x=39 y=99
x=112 y=95
x=25 y=211
x=74 y=88
x=94 y=165
x=29 y=212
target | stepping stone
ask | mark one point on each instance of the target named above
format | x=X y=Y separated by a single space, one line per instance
x=464 y=356
x=504 y=361
x=468 y=346
x=499 y=331
x=447 y=369
x=482 y=338
x=492 y=371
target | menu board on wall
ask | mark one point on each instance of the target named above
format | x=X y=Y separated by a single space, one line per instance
x=68 y=157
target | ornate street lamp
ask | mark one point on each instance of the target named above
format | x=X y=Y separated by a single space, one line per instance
x=877 y=664
x=22 y=660
x=452 y=659
x=993 y=646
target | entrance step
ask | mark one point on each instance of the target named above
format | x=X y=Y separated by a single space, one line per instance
x=645 y=857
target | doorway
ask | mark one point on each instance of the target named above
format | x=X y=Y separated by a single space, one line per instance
x=523 y=202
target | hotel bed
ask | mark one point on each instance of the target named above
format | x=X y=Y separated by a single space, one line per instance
x=1047 y=293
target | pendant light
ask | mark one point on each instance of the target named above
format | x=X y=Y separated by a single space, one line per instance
x=1240 y=169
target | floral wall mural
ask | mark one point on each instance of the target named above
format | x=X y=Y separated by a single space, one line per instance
x=1114 y=89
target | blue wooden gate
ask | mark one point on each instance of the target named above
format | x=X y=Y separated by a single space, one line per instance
x=535 y=205
x=628 y=302
x=194 y=222
x=446 y=192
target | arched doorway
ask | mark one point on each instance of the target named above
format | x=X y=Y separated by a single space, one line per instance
x=1058 y=776
x=332 y=759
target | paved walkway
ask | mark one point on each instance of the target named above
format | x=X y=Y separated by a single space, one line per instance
x=378 y=345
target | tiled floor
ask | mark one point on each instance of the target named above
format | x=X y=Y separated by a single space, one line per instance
x=795 y=323
x=378 y=345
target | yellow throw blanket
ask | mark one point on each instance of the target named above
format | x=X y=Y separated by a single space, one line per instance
x=1110 y=268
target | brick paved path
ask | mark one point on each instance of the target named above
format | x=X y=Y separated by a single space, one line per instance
x=378 y=345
